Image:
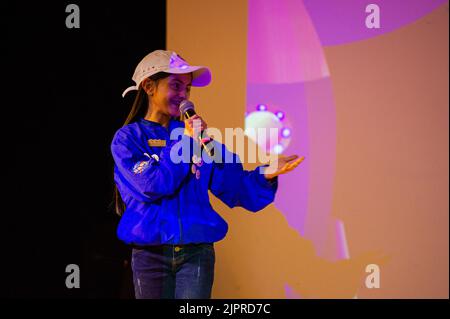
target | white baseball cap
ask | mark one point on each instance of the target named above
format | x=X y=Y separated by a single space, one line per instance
x=169 y=62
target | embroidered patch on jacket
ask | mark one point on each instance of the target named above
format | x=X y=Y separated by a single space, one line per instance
x=156 y=142
x=140 y=166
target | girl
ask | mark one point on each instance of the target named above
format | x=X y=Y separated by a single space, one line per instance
x=166 y=214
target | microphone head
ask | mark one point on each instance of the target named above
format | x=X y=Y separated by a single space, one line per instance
x=186 y=105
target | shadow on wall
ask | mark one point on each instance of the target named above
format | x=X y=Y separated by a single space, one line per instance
x=262 y=253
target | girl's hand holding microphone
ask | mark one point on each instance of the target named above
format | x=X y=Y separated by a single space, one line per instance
x=193 y=127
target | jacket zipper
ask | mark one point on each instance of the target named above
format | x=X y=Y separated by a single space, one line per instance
x=179 y=220
x=178 y=198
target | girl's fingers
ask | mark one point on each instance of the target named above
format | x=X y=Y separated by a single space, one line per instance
x=194 y=118
x=290 y=158
x=291 y=167
x=298 y=161
x=203 y=126
x=295 y=164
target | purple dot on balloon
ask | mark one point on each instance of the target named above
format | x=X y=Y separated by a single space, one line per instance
x=280 y=115
x=261 y=107
x=286 y=132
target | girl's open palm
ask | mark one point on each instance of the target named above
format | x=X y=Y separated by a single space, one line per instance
x=282 y=165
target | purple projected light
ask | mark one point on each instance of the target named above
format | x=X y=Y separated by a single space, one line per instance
x=286 y=65
x=286 y=132
x=261 y=107
x=341 y=22
x=280 y=115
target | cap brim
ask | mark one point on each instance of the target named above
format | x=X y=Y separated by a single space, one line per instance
x=201 y=75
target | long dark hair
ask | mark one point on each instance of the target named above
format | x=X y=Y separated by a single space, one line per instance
x=138 y=110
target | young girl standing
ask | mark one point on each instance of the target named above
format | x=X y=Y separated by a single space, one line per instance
x=167 y=217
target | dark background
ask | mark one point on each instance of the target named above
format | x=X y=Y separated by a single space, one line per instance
x=61 y=106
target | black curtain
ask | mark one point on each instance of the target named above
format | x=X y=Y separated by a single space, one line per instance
x=62 y=105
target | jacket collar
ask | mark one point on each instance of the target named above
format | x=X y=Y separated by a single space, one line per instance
x=173 y=123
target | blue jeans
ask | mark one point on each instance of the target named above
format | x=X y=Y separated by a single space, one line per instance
x=171 y=271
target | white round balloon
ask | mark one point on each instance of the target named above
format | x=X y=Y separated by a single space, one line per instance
x=264 y=128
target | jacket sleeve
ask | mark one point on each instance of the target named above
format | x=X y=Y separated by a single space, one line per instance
x=237 y=187
x=145 y=177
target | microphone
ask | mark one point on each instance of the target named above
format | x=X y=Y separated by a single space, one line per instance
x=187 y=109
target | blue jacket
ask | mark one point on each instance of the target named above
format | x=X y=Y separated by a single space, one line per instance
x=166 y=203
